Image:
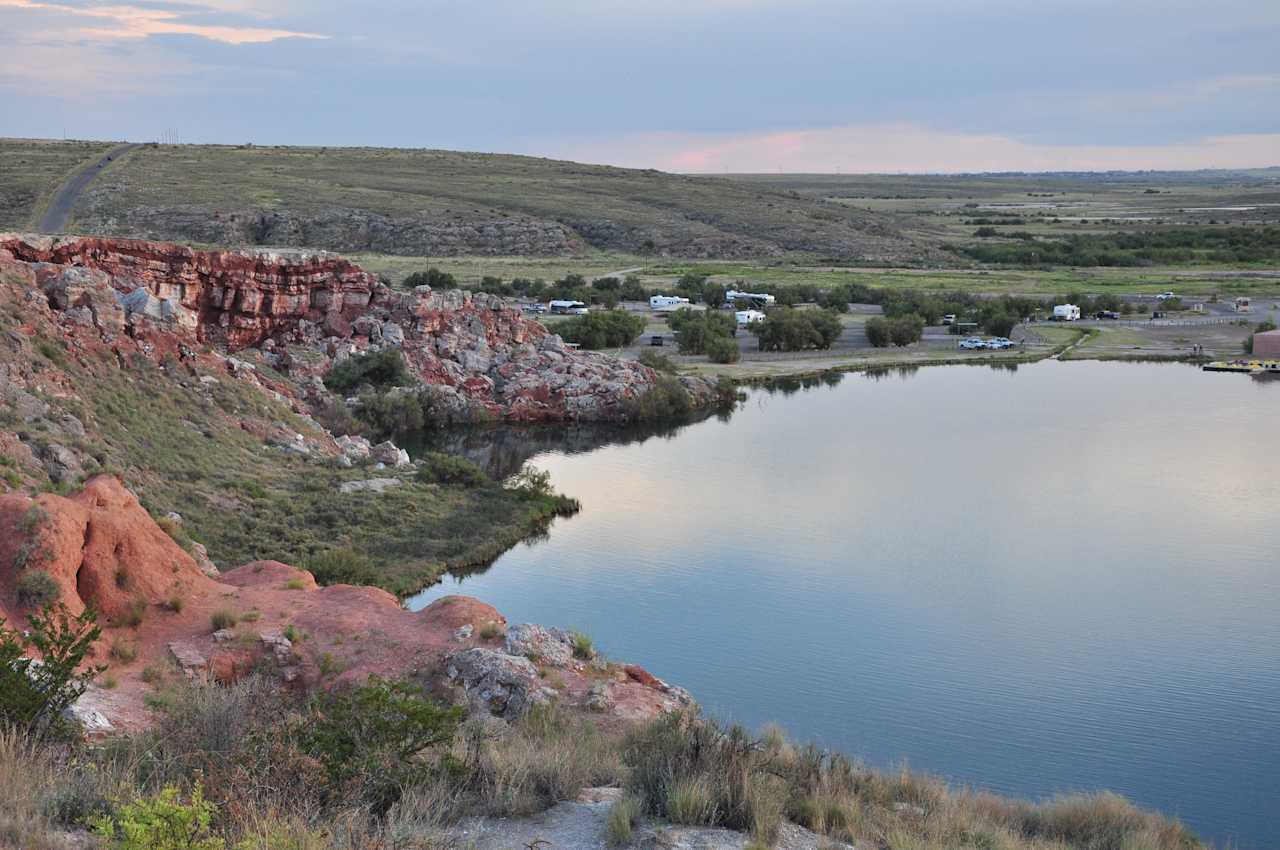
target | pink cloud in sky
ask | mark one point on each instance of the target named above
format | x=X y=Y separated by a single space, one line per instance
x=902 y=148
x=125 y=21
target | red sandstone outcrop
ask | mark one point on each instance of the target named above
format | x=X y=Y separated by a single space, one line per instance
x=307 y=636
x=482 y=358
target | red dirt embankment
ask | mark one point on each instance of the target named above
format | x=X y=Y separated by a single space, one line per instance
x=105 y=551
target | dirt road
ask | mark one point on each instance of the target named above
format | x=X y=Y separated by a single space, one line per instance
x=55 y=217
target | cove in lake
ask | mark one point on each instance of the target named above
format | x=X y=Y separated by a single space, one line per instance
x=1060 y=577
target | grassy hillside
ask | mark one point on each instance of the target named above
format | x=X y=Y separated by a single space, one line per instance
x=441 y=203
x=30 y=172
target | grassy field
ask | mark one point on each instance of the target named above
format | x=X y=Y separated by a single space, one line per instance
x=1051 y=203
x=188 y=447
x=444 y=203
x=31 y=171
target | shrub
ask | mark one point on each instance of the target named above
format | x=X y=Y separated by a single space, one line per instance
x=291 y=632
x=372 y=736
x=666 y=399
x=34 y=550
x=582 y=647
x=788 y=329
x=657 y=362
x=123 y=650
x=698 y=330
x=601 y=329
x=33 y=696
x=440 y=468
x=905 y=330
x=379 y=369
x=433 y=278
x=899 y=330
x=133 y=615
x=489 y=631
x=36 y=588
x=222 y=619
x=162 y=822
x=623 y=816
x=295 y=584
x=723 y=349
x=122 y=577
x=175 y=603
x=689 y=801
x=341 y=566
x=390 y=414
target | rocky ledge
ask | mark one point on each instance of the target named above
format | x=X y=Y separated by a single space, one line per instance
x=307 y=310
x=103 y=550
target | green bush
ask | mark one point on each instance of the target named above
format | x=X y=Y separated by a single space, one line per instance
x=341 y=566
x=623 y=816
x=697 y=330
x=33 y=696
x=433 y=278
x=36 y=588
x=440 y=468
x=222 y=619
x=583 y=649
x=390 y=414
x=601 y=329
x=666 y=399
x=374 y=737
x=379 y=369
x=899 y=330
x=657 y=362
x=162 y=822
x=788 y=329
x=723 y=349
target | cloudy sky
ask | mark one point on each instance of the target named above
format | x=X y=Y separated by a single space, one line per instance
x=682 y=85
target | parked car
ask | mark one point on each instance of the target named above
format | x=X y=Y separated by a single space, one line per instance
x=973 y=342
x=1106 y=314
x=1165 y=296
x=949 y=319
x=999 y=343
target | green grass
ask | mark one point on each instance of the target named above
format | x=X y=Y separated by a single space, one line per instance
x=444 y=203
x=181 y=447
x=31 y=171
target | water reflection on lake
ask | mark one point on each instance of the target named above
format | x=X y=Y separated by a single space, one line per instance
x=1058 y=577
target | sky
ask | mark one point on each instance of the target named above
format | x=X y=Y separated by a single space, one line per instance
x=680 y=85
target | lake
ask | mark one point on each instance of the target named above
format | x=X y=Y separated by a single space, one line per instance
x=1054 y=578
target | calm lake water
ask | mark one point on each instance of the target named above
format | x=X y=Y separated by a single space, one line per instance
x=1061 y=577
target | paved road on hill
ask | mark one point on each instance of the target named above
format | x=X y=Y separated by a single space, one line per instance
x=55 y=218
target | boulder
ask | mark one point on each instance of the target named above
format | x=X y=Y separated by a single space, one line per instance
x=548 y=646
x=389 y=454
x=497 y=683
x=354 y=449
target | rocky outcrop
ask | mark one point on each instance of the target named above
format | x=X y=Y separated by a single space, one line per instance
x=104 y=551
x=478 y=356
x=496 y=683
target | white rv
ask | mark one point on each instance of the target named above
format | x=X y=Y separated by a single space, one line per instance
x=567 y=308
x=746 y=317
x=1066 y=313
x=755 y=299
x=657 y=302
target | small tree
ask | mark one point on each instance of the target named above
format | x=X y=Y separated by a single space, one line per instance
x=34 y=693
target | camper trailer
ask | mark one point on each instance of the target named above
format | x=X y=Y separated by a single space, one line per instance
x=1066 y=313
x=755 y=299
x=746 y=317
x=567 y=308
x=658 y=302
